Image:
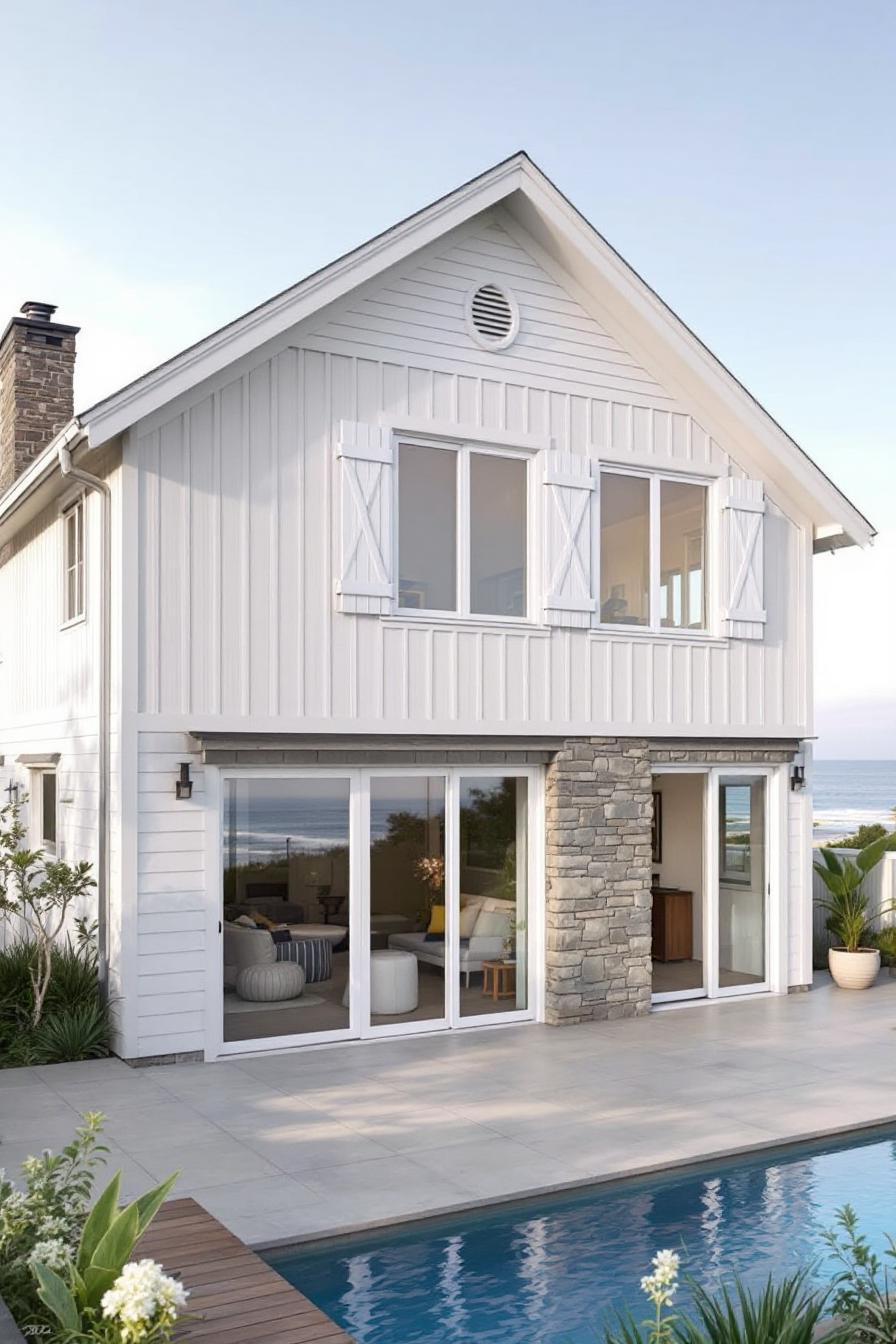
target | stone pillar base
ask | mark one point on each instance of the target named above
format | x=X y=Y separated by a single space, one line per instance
x=597 y=880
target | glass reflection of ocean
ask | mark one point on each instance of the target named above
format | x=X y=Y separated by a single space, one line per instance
x=312 y=826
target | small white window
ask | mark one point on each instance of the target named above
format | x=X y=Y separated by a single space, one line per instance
x=43 y=810
x=73 y=563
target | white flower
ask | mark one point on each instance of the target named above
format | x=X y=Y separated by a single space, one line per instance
x=661 y=1285
x=666 y=1265
x=51 y=1252
x=143 y=1298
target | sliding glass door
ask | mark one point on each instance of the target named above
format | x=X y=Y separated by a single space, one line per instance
x=406 y=936
x=375 y=902
x=286 y=898
x=493 y=912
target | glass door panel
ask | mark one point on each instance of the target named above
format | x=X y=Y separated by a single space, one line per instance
x=407 y=938
x=493 y=921
x=743 y=881
x=286 y=901
x=679 y=956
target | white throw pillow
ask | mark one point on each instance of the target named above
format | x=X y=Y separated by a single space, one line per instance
x=492 y=924
x=468 y=917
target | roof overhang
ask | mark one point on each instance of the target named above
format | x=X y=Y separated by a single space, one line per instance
x=605 y=283
x=38 y=486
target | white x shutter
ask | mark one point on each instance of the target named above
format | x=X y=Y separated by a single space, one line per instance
x=743 y=543
x=570 y=588
x=365 y=585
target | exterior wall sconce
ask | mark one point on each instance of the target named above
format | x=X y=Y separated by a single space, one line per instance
x=797 y=778
x=184 y=786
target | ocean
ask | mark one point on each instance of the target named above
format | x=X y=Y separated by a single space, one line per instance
x=313 y=814
x=850 y=793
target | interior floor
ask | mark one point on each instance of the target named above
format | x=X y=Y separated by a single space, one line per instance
x=320 y=1006
x=673 y=977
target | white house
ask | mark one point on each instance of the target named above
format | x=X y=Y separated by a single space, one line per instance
x=450 y=610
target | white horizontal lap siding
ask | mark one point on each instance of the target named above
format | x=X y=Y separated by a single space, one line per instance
x=239 y=525
x=171 y=908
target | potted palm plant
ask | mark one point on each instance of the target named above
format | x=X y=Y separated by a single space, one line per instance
x=853 y=964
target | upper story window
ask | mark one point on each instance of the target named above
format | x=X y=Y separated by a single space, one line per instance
x=652 y=552
x=462 y=531
x=73 y=562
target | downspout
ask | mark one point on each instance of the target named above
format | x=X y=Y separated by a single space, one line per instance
x=67 y=467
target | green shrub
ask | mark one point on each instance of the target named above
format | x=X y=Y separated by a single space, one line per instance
x=82 y=1032
x=863 y=1297
x=885 y=939
x=76 y=1024
x=860 y=838
x=51 y=1208
x=92 y=1294
x=782 y=1313
x=65 y=1268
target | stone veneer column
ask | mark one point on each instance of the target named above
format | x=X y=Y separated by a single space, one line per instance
x=597 y=880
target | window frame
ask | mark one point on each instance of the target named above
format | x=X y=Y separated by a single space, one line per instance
x=462 y=611
x=74 y=509
x=654 y=625
x=37 y=811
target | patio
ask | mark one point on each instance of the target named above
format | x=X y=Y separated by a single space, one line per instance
x=301 y=1145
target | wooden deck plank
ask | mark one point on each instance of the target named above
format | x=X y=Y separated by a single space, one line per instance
x=235 y=1298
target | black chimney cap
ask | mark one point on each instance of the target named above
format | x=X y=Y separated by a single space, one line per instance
x=38 y=312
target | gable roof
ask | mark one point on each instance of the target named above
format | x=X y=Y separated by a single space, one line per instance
x=580 y=255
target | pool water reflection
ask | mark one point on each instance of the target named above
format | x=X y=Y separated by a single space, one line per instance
x=552 y=1270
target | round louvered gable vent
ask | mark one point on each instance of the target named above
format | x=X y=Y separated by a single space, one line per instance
x=492 y=316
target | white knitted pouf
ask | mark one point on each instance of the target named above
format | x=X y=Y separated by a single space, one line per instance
x=270 y=983
x=393 y=981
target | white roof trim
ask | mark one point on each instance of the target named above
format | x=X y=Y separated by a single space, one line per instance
x=132 y=403
x=674 y=351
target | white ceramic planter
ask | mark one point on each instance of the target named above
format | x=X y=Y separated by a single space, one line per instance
x=854 y=970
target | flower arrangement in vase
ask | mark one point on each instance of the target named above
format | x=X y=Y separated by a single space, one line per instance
x=431 y=872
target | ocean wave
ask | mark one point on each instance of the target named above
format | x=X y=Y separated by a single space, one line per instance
x=832 y=823
x=853 y=816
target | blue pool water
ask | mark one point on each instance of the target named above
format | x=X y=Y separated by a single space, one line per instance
x=552 y=1270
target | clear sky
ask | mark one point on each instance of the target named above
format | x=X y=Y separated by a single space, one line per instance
x=165 y=166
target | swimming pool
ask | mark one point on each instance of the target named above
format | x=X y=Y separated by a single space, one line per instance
x=553 y=1269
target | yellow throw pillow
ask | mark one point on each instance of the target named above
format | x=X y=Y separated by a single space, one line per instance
x=437 y=919
x=262 y=920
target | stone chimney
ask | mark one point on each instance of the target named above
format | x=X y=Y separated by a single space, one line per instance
x=37 y=365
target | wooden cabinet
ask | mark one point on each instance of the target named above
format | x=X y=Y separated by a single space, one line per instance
x=672 y=924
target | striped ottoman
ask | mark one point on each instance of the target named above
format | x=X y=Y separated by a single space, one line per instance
x=314 y=955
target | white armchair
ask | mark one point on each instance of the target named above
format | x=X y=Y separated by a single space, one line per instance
x=245 y=947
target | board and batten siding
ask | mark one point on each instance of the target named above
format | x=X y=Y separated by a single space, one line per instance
x=237 y=524
x=238 y=531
